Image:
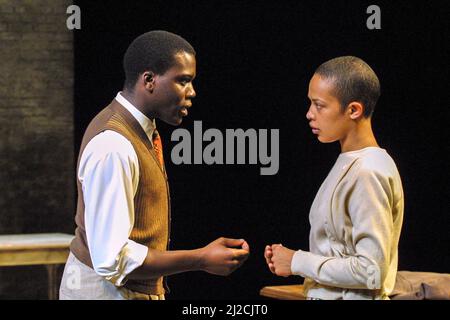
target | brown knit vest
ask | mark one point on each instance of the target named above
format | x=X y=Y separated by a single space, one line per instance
x=151 y=202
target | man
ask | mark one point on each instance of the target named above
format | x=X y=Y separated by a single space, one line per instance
x=357 y=214
x=120 y=250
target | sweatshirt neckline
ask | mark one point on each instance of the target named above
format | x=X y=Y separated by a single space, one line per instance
x=349 y=153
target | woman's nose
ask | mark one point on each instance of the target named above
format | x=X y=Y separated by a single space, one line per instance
x=309 y=114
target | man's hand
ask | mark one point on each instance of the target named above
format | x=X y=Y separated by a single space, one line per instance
x=279 y=259
x=224 y=255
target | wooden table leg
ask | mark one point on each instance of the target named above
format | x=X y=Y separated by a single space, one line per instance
x=52 y=275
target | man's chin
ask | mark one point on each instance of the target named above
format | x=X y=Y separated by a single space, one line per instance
x=178 y=121
x=173 y=121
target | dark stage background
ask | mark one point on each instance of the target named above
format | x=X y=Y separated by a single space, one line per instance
x=254 y=61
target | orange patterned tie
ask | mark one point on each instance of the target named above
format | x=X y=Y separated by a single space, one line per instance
x=157 y=146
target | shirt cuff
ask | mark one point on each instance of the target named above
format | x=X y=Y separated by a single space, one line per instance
x=299 y=260
x=130 y=258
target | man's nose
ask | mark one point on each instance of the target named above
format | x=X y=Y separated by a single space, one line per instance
x=191 y=92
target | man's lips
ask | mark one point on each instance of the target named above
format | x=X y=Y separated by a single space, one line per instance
x=183 y=111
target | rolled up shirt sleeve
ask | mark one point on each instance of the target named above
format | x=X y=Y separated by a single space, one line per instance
x=369 y=208
x=109 y=174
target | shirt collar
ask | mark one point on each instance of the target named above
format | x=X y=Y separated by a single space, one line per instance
x=146 y=123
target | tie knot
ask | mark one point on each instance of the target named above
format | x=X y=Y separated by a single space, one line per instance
x=155 y=134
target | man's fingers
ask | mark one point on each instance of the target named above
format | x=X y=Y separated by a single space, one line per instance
x=240 y=254
x=245 y=246
x=228 y=242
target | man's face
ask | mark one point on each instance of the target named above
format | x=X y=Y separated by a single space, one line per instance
x=174 y=90
x=325 y=115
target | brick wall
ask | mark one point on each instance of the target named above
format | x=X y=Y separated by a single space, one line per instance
x=36 y=130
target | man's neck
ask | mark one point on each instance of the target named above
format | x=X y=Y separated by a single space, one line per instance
x=136 y=102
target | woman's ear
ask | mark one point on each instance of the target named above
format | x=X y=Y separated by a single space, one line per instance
x=356 y=110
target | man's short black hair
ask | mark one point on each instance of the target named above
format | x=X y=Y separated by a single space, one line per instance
x=353 y=80
x=152 y=51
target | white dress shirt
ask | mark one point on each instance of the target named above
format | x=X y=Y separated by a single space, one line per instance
x=109 y=175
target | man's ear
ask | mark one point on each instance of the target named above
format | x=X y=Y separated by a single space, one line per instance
x=149 y=80
x=355 y=110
